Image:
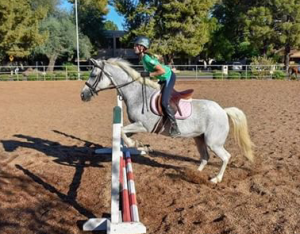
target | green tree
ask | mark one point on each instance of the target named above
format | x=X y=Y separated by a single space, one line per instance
x=275 y=24
x=19 y=27
x=91 y=17
x=176 y=27
x=258 y=28
x=252 y=28
x=50 y=5
x=109 y=25
x=228 y=41
x=62 y=40
x=219 y=47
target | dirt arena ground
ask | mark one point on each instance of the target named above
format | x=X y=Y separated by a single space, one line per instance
x=51 y=180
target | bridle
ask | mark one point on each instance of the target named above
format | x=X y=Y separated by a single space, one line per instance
x=99 y=77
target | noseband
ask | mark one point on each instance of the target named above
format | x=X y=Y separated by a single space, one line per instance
x=99 y=77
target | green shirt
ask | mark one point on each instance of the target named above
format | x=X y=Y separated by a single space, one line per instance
x=150 y=63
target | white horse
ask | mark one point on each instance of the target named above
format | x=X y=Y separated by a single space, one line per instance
x=208 y=123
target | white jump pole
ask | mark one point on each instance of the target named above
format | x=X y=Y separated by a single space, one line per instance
x=115 y=224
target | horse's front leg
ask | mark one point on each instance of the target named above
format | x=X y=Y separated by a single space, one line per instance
x=131 y=129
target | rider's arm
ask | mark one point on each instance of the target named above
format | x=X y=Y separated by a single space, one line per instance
x=159 y=70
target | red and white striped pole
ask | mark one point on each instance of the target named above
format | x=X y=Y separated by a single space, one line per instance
x=125 y=195
x=131 y=188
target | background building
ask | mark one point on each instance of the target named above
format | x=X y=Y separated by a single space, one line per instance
x=115 y=48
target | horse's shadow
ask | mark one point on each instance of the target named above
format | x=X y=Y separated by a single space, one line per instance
x=69 y=198
x=74 y=156
x=83 y=156
x=80 y=158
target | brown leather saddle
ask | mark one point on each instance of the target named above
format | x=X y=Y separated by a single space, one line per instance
x=174 y=102
x=175 y=98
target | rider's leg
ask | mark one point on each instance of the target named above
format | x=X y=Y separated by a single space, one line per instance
x=166 y=95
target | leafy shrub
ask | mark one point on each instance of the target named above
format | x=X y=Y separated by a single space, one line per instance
x=71 y=70
x=60 y=75
x=85 y=75
x=49 y=76
x=261 y=67
x=279 y=75
x=246 y=75
x=234 y=75
x=32 y=77
x=73 y=75
x=5 y=77
x=204 y=75
x=218 y=75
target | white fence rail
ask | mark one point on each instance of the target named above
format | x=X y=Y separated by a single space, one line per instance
x=15 y=73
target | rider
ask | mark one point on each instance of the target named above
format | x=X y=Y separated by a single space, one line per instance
x=161 y=72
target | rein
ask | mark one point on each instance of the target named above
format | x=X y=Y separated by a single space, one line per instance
x=99 y=78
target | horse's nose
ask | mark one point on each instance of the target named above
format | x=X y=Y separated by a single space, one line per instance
x=82 y=96
x=85 y=96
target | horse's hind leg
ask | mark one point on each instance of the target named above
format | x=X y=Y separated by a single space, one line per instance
x=225 y=156
x=202 y=149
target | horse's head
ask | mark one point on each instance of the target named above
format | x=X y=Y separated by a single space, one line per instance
x=98 y=80
x=114 y=73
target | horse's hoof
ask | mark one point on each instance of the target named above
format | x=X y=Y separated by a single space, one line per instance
x=142 y=151
x=200 y=168
x=149 y=149
x=215 y=180
x=146 y=149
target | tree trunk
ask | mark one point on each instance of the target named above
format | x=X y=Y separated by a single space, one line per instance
x=52 y=61
x=287 y=52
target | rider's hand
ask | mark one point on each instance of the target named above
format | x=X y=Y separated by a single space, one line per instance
x=145 y=74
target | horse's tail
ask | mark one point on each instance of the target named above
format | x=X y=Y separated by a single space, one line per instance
x=241 y=133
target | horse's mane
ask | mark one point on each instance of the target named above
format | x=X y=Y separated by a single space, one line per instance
x=126 y=66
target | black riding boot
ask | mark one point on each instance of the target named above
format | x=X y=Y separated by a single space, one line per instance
x=173 y=131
